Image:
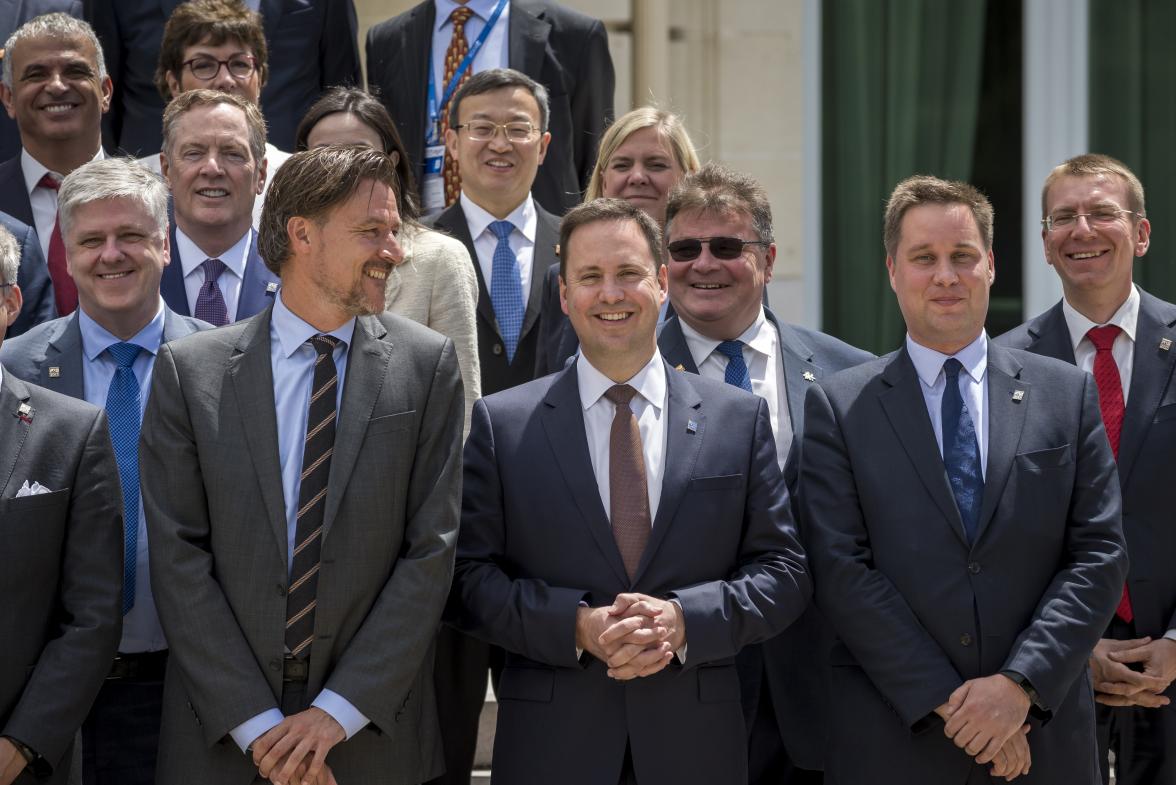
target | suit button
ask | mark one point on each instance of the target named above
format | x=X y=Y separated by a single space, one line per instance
x=497 y=349
x=974 y=567
x=965 y=639
x=281 y=590
x=275 y=664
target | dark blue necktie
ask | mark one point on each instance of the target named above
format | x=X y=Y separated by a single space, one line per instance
x=123 y=415
x=506 y=288
x=737 y=373
x=961 y=451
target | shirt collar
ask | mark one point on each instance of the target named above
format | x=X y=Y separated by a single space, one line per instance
x=524 y=218
x=293 y=332
x=34 y=170
x=929 y=363
x=445 y=8
x=96 y=339
x=760 y=336
x=191 y=257
x=1126 y=318
x=650 y=382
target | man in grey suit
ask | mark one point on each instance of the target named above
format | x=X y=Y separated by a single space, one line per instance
x=61 y=522
x=721 y=254
x=961 y=511
x=300 y=577
x=114 y=218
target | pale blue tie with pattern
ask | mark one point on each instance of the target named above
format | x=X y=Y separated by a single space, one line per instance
x=737 y=373
x=506 y=288
x=123 y=415
x=961 y=450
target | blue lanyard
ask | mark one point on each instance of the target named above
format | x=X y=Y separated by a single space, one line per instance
x=450 y=88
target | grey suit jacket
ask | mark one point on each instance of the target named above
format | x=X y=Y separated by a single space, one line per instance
x=212 y=489
x=61 y=584
x=917 y=607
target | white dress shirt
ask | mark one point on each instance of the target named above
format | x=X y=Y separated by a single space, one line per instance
x=1123 y=349
x=929 y=366
x=522 y=239
x=43 y=200
x=230 y=280
x=765 y=364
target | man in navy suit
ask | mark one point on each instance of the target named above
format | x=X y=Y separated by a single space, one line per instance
x=214 y=162
x=33 y=278
x=721 y=255
x=625 y=532
x=1094 y=226
x=114 y=216
x=961 y=512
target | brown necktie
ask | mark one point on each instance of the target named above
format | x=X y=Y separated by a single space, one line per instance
x=65 y=293
x=458 y=48
x=627 y=486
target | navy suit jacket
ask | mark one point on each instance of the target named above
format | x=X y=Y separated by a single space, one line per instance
x=33 y=278
x=1147 y=452
x=257 y=290
x=917 y=607
x=14 y=199
x=535 y=541
x=562 y=49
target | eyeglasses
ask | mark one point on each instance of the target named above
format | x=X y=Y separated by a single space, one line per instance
x=484 y=131
x=720 y=247
x=206 y=68
x=1103 y=216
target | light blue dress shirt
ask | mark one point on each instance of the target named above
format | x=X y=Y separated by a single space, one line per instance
x=495 y=53
x=973 y=387
x=141 y=631
x=292 y=359
x=231 y=279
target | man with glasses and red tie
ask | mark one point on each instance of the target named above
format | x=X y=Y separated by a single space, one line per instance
x=1094 y=227
x=721 y=253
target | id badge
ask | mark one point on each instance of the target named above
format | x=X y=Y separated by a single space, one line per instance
x=433 y=187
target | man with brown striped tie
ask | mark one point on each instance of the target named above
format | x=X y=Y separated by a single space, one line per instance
x=301 y=471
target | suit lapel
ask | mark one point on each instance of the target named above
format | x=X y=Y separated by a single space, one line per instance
x=671 y=342
x=1006 y=419
x=1151 y=373
x=13 y=430
x=453 y=222
x=252 y=373
x=797 y=360
x=546 y=237
x=563 y=422
x=256 y=289
x=528 y=40
x=61 y=370
x=416 y=45
x=1051 y=336
x=171 y=284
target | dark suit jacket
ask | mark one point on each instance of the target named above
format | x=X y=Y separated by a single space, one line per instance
x=257 y=290
x=62 y=582
x=14 y=199
x=497 y=373
x=312 y=45
x=918 y=609
x=535 y=541
x=212 y=490
x=793 y=666
x=564 y=50
x=1147 y=452
x=33 y=278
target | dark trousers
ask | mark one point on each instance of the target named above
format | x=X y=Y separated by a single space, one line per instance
x=767 y=757
x=460 y=665
x=120 y=736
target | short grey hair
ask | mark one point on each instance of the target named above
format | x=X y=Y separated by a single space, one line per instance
x=113 y=178
x=9 y=257
x=57 y=26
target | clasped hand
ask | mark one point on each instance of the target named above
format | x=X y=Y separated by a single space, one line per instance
x=635 y=636
x=1116 y=683
x=294 y=752
x=986 y=719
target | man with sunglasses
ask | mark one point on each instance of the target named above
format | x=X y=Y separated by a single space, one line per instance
x=1094 y=227
x=721 y=253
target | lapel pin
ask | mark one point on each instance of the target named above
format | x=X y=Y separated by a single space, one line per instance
x=1018 y=395
x=691 y=426
x=1165 y=344
x=25 y=413
x=54 y=372
x=271 y=287
x=679 y=367
x=809 y=376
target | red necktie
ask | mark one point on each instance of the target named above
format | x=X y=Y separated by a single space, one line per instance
x=65 y=293
x=1110 y=403
x=458 y=48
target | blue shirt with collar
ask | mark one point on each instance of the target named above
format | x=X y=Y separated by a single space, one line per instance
x=973 y=387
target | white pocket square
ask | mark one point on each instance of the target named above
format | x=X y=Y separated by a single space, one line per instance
x=31 y=490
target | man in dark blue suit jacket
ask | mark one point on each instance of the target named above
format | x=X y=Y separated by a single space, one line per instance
x=622 y=566
x=33 y=278
x=1135 y=662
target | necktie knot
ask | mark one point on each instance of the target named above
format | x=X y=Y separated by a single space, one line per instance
x=50 y=181
x=620 y=394
x=951 y=369
x=212 y=269
x=459 y=17
x=124 y=354
x=731 y=349
x=324 y=344
x=1104 y=337
x=502 y=229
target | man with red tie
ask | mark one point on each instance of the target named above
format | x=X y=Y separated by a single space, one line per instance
x=1094 y=225
x=56 y=88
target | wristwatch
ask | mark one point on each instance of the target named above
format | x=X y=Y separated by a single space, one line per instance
x=1023 y=683
x=25 y=750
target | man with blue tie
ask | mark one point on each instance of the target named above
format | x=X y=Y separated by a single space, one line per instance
x=114 y=221
x=214 y=161
x=962 y=516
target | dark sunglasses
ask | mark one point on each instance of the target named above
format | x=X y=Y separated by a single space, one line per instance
x=720 y=247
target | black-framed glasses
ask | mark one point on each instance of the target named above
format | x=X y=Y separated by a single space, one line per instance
x=206 y=68
x=688 y=249
x=1102 y=216
x=484 y=131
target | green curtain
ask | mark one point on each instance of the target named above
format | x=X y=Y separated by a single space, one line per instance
x=901 y=91
x=1133 y=115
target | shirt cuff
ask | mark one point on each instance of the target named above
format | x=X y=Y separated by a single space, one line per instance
x=1170 y=635
x=680 y=653
x=342 y=710
x=250 y=731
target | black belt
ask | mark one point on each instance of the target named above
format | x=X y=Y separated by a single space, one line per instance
x=295 y=669
x=141 y=666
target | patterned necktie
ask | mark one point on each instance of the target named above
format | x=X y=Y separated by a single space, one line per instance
x=627 y=486
x=1112 y=408
x=123 y=416
x=737 y=373
x=506 y=288
x=210 y=304
x=65 y=292
x=961 y=451
x=312 y=493
x=458 y=48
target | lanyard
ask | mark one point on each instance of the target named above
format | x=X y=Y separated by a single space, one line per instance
x=434 y=108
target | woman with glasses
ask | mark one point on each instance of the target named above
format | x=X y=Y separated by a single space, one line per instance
x=436 y=284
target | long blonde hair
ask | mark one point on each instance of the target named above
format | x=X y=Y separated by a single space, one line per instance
x=668 y=124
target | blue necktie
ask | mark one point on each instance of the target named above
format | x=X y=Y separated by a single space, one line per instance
x=737 y=373
x=506 y=288
x=961 y=451
x=123 y=415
